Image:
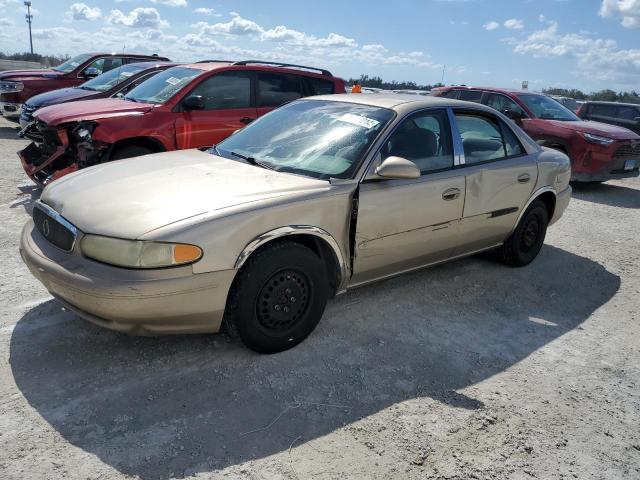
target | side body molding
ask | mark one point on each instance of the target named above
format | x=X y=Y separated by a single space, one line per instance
x=297 y=230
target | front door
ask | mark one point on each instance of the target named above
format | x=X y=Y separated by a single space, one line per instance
x=228 y=107
x=500 y=177
x=404 y=224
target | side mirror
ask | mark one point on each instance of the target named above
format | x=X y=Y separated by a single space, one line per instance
x=90 y=72
x=514 y=115
x=637 y=120
x=397 y=167
x=193 y=102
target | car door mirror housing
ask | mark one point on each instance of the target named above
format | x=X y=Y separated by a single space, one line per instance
x=514 y=115
x=637 y=120
x=90 y=72
x=397 y=167
x=193 y=102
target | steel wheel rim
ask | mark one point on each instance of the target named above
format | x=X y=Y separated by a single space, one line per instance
x=283 y=300
x=530 y=234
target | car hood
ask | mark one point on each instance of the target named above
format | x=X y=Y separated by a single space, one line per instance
x=128 y=198
x=90 y=110
x=597 y=128
x=60 y=96
x=18 y=75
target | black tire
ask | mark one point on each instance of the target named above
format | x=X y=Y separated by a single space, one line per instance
x=130 y=151
x=268 y=322
x=524 y=244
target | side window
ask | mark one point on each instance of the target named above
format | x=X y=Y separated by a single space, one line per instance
x=503 y=103
x=135 y=83
x=512 y=145
x=471 y=95
x=603 y=110
x=450 y=94
x=103 y=65
x=320 y=87
x=627 y=113
x=275 y=89
x=425 y=139
x=481 y=138
x=225 y=90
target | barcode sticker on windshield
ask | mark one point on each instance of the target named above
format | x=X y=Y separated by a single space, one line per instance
x=172 y=80
x=359 y=120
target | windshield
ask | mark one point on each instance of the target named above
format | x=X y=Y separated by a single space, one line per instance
x=316 y=138
x=547 y=108
x=72 y=63
x=110 y=79
x=163 y=86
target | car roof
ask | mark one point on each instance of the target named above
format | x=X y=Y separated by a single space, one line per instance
x=615 y=104
x=127 y=54
x=152 y=64
x=208 y=65
x=399 y=101
x=510 y=91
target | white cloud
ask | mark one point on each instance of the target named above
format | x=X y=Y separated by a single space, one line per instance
x=7 y=22
x=138 y=18
x=82 y=11
x=207 y=11
x=171 y=3
x=596 y=57
x=376 y=48
x=514 y=24
x=52 y=33
x=491 y=25
x=541 y=18
x=627 y=10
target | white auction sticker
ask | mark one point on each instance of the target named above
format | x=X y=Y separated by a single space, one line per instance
x=126 y=74
x=359 y=120
x=172 y=80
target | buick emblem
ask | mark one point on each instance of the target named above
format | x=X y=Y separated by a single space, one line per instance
x=46 y=229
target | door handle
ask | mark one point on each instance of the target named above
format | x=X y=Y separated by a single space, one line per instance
x=524 y=178
x=451 y=194
x=246 y=120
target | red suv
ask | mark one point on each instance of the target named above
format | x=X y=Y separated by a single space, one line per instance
x=598 y=151
x=17 y=86
x=187 y=106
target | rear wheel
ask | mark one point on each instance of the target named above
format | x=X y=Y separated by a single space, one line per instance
x=277 y=298
x=524 y=244
x=130 y=151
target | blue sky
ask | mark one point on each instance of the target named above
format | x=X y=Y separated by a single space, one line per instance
x=587 y=44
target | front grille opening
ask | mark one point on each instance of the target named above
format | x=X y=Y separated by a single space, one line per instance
x=54 y=231
x=628 y=151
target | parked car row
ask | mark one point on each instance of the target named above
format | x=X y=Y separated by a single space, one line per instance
x=286 y=192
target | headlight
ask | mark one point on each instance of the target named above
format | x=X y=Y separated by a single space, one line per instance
x=84 y=131
x=9 y=87
x=138 y=253
x=589 y=137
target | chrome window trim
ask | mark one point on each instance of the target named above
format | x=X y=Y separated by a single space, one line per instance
x=281 y=232
x=60 y=219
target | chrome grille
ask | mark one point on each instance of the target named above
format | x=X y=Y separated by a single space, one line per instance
x=53 y=227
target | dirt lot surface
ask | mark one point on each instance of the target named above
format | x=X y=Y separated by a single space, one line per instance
x=466 y=370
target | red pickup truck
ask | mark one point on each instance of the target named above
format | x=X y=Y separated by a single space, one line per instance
x=17 y=86
x=598 y=152
x=186 y=106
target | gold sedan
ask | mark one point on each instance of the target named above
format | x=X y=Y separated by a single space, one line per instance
x=319 y=196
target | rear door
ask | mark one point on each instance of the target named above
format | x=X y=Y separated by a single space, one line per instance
x=276 y=89
x=228 y=106
x=404 y=224
x=500 y=177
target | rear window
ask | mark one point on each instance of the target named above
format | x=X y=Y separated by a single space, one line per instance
x=450 y=94
x=320 y=87
x=275 y=89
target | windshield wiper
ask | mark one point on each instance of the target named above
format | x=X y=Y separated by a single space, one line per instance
x=253 y=161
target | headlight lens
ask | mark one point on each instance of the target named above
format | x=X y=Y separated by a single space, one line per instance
x=591 y=138
x=138 y=253
x=8 y=87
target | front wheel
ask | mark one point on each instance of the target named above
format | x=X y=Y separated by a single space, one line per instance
x=524 y=244
x=277 y=298
x=130 y=152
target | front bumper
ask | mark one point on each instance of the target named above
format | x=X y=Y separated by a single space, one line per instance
x=604 y=175
x=141 y=302
x=10 y=110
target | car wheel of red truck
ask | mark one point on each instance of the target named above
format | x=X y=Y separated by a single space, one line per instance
x=130 y=151
x=277 y=298
x=526 y=241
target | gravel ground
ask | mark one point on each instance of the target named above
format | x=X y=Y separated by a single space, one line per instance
x=466 y=370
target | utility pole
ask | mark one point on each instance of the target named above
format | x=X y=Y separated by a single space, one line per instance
x=27 y=4
x=444 y=67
